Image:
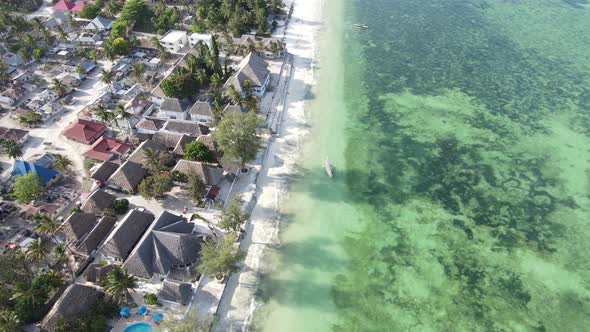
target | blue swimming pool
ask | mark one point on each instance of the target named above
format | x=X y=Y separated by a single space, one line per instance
x=139 y=327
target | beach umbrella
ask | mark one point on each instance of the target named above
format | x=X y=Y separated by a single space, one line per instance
x=158 y=317
x=142 y=310
x=124 y=311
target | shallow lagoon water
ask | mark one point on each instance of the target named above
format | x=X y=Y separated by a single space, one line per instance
x=461 y=139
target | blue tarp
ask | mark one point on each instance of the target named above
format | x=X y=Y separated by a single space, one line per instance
x=142 y=310
x=124 y=311
x=158 y=317
x=21 y=167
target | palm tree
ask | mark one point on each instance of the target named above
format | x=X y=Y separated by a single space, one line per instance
x=106 y=76
x=102 y=114
x=122 y=114
x=152 y=160
x=8 y=321
x=38 y=24
x=60 y=255
x=93 y=55
x=201 y=76
x=45 y=224
x=37 y=251
x=118 y=283
x=233 y=95
x=137 y=69
x=58 y=87
x=61 y=162
x=29 y=41
x=12 y=149
x=157 y=45
x=25 y=294
x=215 y=80
x=61 y=33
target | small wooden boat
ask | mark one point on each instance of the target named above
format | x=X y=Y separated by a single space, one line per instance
x=361 y=25
x=328 y=167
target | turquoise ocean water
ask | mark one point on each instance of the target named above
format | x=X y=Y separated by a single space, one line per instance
x=460 y=133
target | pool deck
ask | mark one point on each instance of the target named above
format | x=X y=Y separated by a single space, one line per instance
x=122 y=323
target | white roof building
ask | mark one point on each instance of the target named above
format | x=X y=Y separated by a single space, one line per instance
x=175 y=41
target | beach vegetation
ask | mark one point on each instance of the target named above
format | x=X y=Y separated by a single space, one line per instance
x=220 y=257
x=237 y=137
x=233 y=217
x=26 y=188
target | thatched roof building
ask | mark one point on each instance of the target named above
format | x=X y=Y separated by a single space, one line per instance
x=76 y=300
x=169 y=242
x=122 y=240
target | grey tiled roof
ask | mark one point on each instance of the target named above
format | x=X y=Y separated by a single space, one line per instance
x=174 y=291
x=168 y=243
x=122 y=240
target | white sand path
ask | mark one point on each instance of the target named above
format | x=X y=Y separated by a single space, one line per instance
x=238 y=303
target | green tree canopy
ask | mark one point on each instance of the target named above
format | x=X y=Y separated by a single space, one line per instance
x=220 y=257
x=156 y=186
x=232 y=217
x=27 y=188
x=120 y=46
x=197 y=188
x=179 y=85
x=198 y=151
x=237 y=137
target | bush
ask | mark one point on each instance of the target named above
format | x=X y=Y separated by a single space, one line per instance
x=74 y=210
x=197 y=151
x=121 y=206
x=179 y=177
x=88 y=163
x=151 y=299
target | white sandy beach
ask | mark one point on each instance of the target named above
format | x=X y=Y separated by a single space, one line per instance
x=278 y=164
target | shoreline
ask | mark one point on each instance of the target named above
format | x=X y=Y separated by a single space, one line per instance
x=278 y=162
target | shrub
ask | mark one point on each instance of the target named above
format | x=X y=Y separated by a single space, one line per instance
x=121 y=206
x=74 y=210
x=151 y=299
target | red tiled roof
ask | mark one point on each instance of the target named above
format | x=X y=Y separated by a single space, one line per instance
x=78 y=6
x=104 y=149
x=63 y=5
x=84 y=131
